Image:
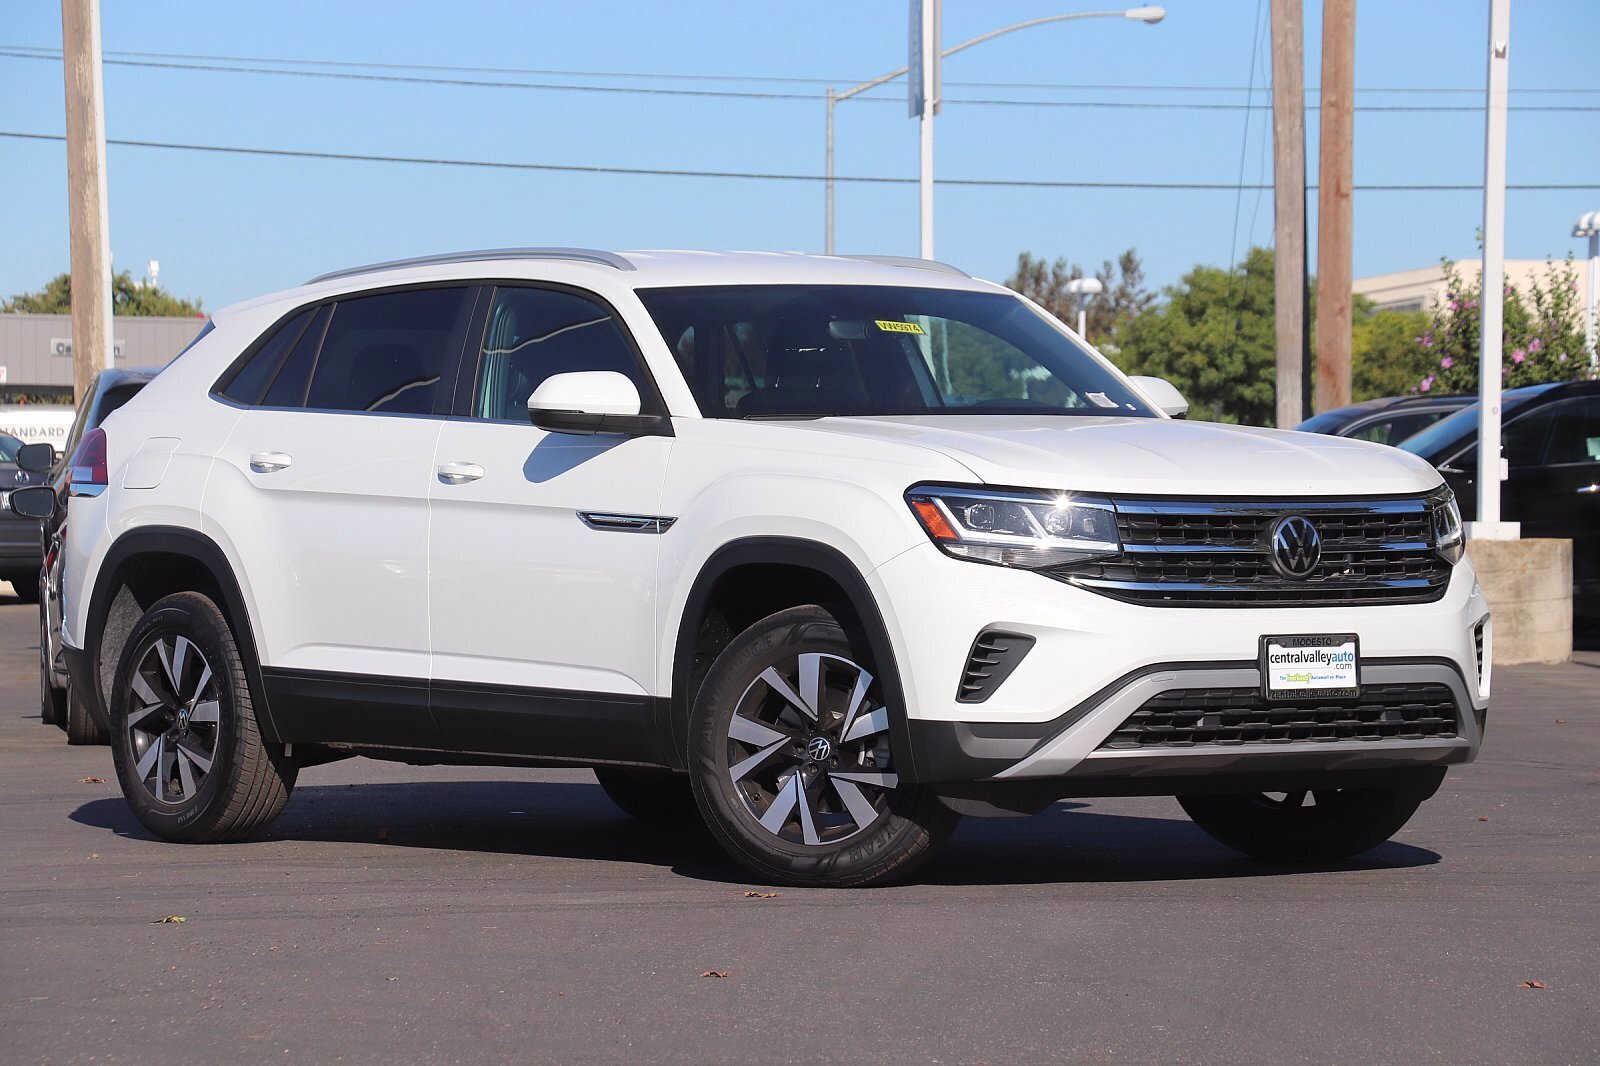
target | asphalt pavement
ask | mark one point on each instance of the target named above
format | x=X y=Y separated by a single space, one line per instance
x=399 y=914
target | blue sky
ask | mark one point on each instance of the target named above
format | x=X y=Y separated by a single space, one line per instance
x=227 y=227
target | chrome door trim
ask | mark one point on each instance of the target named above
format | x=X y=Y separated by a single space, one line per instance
x=608 y=522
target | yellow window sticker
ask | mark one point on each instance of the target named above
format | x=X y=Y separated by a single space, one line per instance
x=897 y=327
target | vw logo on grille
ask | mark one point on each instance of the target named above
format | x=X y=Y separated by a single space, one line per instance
x=819 y=749
x=1296 y=546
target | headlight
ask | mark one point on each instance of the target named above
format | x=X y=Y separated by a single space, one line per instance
x=1449 y=540
x=1027 y=529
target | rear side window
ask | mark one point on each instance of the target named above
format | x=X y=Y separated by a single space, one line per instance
x=288 y=388
x=385 y=353
x=252 y=378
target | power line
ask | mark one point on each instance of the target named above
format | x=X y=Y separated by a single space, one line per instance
x=570 y=168
x=756 y=78
x=745 y=94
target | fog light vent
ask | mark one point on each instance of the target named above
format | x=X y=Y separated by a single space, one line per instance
x=992 y=658
x=1477 y=648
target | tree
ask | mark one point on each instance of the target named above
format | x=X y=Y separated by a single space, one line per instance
x=1123 y=298
x=128 y=297
x=1387 y=359
x=1212 y=338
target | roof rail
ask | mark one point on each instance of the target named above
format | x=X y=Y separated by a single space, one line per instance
x=910 y=261
x=581 y=255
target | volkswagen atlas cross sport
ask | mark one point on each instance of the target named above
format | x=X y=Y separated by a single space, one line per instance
x=831 y=550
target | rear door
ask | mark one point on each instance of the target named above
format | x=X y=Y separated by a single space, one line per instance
x=1554 y=488
x=323 y=492
x=543 y=556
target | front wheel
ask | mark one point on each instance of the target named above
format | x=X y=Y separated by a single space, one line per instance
x=792 y=762
x=1306 y=826
x=188 y=753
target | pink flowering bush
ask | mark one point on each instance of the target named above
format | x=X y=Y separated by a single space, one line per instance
x=1542 y=338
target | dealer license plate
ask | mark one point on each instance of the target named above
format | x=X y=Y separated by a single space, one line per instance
x=1311 y=666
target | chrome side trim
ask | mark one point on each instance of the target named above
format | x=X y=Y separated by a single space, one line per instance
x=626 y=523
x=580 y=255
x=84 y=488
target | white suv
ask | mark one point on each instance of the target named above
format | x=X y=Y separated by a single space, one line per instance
x=833 y=549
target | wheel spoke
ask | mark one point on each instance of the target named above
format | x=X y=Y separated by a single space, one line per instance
x=185 y=774
x=199 y=758
x=808 y=817
x=858 y=697
x=152 y=756
x=135 y=717
x=867 y=724
x=738 y=771
x=811 y=683
x=205 y=679
x=142 y=688
x=207 y=713
x=776 y=683
x=879 y=778
x=783 y=805
x=855 y=801
x=750 y=731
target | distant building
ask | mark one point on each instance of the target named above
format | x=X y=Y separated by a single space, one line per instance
x=1419 y=290
x=36 y=350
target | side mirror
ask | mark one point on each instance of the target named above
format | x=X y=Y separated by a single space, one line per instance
x=593 y=401
x=36 y=458
x=36 y=502
x=1164 y=394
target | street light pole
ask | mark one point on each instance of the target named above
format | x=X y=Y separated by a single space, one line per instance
x=928 y=63
x=1150 y=15
x=1083 y=288
x=1589 y=226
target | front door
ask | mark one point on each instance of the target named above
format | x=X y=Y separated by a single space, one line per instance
x=543 y=557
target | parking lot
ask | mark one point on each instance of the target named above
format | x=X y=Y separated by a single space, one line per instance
x=441 y=914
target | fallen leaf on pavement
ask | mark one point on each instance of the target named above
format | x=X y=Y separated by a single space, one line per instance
x=1533 y=984
x=91 y=780
x=760 y=895
x=715 y=973
x=171 y=919
x=1561 y=721
x=1483 y=817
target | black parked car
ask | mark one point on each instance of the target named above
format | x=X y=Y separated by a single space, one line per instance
x=109 y=390
x=1386 y=420
x=19 y=536
x=1551 y=441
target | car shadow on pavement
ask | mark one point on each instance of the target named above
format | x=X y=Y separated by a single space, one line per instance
x=1068 y=843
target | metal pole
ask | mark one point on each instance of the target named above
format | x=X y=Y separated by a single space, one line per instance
x=1594 y=298
x=930 y=54
x=1289 y=205
x=827 y=239
x=1491 y=467
x=92 y=345
x=1083 y=320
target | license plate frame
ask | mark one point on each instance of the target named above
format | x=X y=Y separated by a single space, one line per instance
x=1311 y=691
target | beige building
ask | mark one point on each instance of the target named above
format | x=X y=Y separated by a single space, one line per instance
x=36 y=350
x=1419 y=290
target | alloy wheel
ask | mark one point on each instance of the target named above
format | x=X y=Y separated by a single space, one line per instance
x=808 y=749
x=174 y=730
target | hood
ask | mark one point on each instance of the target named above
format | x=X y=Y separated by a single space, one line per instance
x=1149 y=456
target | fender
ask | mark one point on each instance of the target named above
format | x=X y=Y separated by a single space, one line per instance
x=786 y=551
x=177 y=540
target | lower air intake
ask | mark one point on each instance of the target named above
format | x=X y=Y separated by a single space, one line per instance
x=993 y=657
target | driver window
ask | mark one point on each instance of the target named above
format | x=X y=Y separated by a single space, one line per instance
x=534 y=334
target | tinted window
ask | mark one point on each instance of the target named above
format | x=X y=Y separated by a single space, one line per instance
x=289 y=387
x=115 y=398
x=793 y=350
x=386 y=352
x=8 y=448
x=535 y=333
x=1396 y=428
x=252 y=378
x=1575 y=436
x=1522 y=442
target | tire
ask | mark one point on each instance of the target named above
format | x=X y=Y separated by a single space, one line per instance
x=188 y=751
x=790 y=760
x=25 y=586
x=660 y=797
x=79 y=723
x=1306 y=826
x=52 y=700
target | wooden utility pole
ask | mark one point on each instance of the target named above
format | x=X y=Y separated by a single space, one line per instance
x=86 y=192
x=1289 y=200
x=1335 y=151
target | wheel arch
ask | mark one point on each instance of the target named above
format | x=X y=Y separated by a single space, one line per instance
x=146 y=563
x=811 y=567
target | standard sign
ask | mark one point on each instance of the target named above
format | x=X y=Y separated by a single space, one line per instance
x=1315 y=666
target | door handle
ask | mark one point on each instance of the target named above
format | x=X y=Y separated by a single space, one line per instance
x=459 y=473
x=269 y=462
x=1589 y=490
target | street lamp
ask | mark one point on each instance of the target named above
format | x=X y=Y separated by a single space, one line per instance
x=1083 y=288
x=1150 y=15
x=1589 y=226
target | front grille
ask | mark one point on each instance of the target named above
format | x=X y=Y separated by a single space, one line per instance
x=1218 y=554
x=1193 y=717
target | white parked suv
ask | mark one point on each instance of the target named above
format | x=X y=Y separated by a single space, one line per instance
x=832 y=549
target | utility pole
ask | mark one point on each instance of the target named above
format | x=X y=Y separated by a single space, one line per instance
x=1335 y=148
x=925 y=90
x=1289 y=201
x=86 y=192
x=1491 y=464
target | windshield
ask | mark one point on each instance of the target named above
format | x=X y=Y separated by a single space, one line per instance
x=773 y=351
x=8 y=448
x=1441 y=439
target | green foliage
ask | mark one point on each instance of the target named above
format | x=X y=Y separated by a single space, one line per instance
x=128 y=297
x=1542 y=334
x=1213 y=339
x=1123 y=297
x=1386 y=358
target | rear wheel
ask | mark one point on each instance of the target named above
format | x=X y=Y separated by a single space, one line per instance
x=80 y=725
x=792 y=762
x=1317 y=825
x=657 y=796
x=188 y=753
